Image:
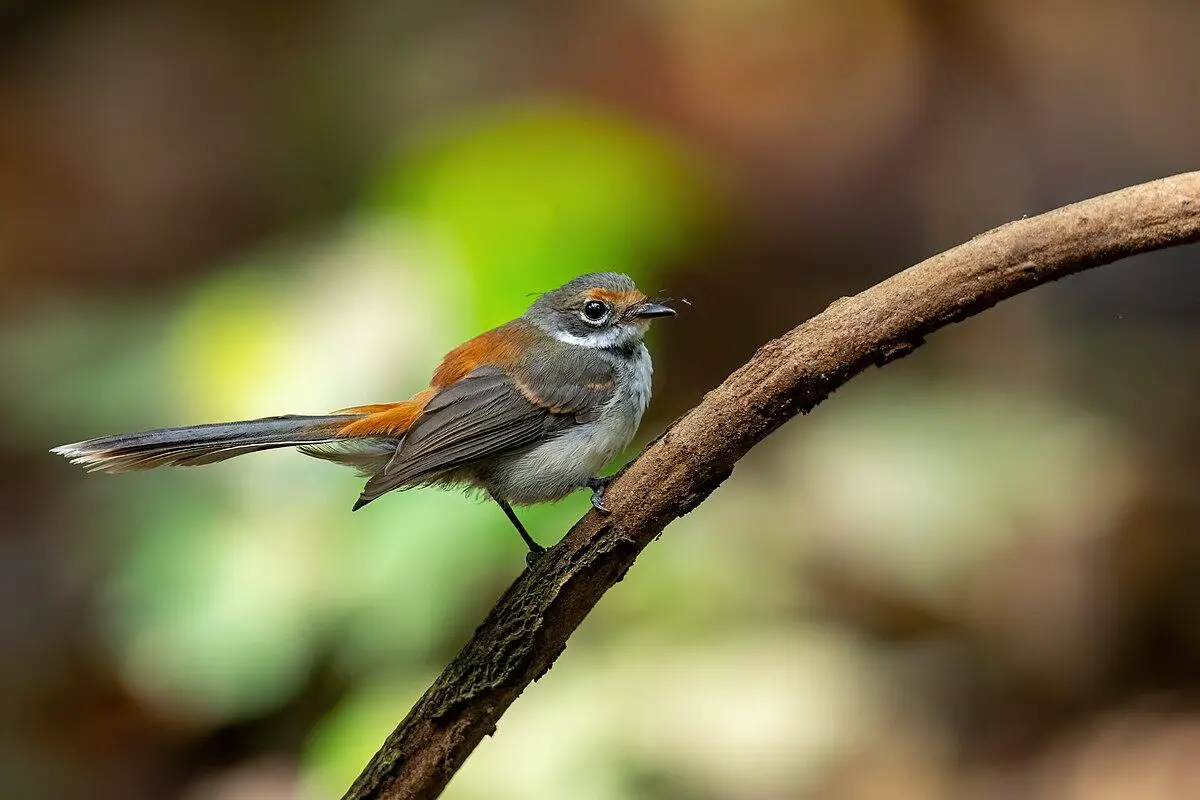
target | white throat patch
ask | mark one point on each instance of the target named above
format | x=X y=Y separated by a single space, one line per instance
x=609 y=337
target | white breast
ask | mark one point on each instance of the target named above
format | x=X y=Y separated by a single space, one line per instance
x=563 y=464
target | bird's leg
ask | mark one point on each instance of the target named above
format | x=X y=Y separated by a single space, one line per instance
x=535 y=549
x=598 y=485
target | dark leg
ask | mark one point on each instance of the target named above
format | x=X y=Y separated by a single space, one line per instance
x=535 y=549
x=598 y=485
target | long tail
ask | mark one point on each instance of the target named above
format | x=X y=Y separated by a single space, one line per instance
x=202 y=444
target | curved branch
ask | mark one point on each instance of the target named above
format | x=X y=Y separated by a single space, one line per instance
x=529 y=626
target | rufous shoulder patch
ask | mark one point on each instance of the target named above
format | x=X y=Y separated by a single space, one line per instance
x=499 y=347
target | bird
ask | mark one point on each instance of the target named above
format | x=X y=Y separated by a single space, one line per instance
x=524 y=413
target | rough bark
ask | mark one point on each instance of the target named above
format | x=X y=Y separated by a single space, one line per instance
x=529 y=626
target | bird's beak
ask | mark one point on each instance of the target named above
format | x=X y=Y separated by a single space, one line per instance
x=650 y=310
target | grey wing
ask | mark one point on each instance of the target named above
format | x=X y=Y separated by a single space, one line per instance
x=481 y=416
x=568 y=382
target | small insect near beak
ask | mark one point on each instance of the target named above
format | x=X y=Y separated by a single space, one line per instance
x=650 y=310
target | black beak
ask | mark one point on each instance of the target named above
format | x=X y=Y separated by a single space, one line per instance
x=650 y=310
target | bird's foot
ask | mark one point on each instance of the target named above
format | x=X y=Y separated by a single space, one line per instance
x=535 y=553
x=598 y=485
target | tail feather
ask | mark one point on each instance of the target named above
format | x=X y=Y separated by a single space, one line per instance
x=201 y=444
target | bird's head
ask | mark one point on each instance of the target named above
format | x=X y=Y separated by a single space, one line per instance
x=601 y=309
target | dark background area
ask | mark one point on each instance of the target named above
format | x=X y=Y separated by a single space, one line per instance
x=970 y=575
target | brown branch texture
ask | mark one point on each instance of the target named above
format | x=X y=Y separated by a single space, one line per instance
x=529 y=626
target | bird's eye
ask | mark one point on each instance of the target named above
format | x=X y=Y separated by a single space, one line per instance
x=594 y=311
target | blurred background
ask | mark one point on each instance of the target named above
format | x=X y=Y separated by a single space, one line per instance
x=971 y=575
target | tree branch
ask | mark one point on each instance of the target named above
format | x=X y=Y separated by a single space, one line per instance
x=529 y=626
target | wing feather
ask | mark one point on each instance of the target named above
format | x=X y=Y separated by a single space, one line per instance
x=493 y=411
x=479 y=417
